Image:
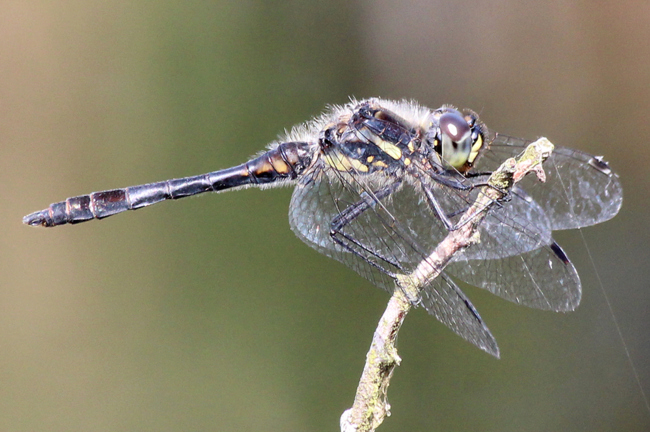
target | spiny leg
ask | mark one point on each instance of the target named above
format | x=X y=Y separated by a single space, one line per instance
x=437 y=209
x=352 y=212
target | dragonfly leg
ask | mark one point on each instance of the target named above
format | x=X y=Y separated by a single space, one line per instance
x=352 y=245
x=446 y=218
x=437 y=209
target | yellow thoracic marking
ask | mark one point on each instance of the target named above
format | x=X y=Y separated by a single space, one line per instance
x=358 y=165
x=370 y=158
x=475 y=150
x=380 y=164
x=344 y=163
x=410 y=146
x=389 y=148
x=407 y=161
x=335 y=162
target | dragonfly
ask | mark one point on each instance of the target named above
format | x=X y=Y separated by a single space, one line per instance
x=379 y=183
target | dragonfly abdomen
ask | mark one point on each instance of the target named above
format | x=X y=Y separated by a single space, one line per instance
x=282 y=163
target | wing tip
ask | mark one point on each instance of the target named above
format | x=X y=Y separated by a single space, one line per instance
x=492 y=348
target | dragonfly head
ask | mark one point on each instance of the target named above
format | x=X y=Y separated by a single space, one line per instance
x=457 y=137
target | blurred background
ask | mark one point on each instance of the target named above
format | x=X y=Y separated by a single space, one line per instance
x=208 y=313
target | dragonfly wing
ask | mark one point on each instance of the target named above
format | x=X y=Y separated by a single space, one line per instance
x=443 y=299
x=391 y=245
x=580 y=189
x=510 y=228
x=543 y=278
x=318 y=199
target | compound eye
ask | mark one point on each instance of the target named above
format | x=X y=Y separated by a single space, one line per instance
x=454 y=126
x=455 y=139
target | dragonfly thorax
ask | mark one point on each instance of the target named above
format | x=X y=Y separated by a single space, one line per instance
x=369 y=140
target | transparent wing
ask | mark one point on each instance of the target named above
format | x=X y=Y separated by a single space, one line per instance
x=382 y=245
x=516 y=257
x=543 y=278
x=384 y=225
x=511 y=227
x=443 y=299
x=580 y=189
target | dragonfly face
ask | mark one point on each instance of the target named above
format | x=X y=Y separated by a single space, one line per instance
x=379 y=183
x=457 y=137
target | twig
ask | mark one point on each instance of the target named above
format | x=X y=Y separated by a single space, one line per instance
x=370 y=403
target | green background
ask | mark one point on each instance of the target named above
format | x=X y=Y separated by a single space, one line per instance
x=208 y=314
